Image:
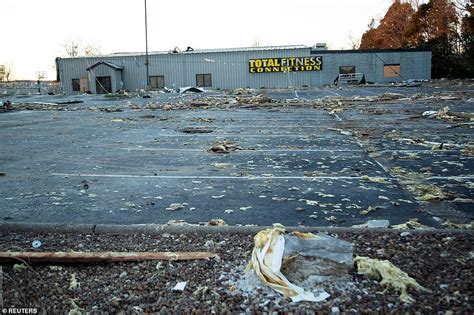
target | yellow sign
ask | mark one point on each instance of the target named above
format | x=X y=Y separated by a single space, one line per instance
x=287 y=64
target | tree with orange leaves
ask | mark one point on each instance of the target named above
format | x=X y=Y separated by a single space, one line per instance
x=436 y=24
x=391 y=31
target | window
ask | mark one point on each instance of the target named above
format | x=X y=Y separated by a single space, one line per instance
x=157 y=81
x=76 y=85
x=391 y=71
x=203 y=80
x=347 y=69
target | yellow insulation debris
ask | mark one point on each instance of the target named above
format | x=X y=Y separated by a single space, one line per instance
x=389 y=276
x=19 y=267
x=76 y=310
x=450 y=225
x=305 y=236
x=374 y=179
x=73 y=284
x=412 y=224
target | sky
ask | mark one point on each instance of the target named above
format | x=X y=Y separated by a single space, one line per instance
x=35 y=32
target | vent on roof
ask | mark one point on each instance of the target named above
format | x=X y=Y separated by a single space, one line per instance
x=320 y=46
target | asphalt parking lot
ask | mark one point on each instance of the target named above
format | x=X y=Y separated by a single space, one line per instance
x=331 y=157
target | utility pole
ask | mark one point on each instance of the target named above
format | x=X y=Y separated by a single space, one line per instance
x=146 y=52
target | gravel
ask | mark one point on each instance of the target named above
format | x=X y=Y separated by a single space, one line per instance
x=441 y=262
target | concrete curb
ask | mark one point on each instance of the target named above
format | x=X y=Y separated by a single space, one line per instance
x=156 y=229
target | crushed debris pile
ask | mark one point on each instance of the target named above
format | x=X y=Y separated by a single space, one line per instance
x=445 y=113
x=38 y=106
x=258 y=99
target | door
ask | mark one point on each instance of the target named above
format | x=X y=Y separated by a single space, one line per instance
x=103 y=85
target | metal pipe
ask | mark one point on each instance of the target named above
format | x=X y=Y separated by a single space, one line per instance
x=146 y=51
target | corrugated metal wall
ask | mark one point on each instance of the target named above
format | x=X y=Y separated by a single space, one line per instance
x=230 y=69
x=413 y=65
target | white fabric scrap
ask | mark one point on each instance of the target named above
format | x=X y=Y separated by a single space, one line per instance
x=267 y=263
x=179 y=286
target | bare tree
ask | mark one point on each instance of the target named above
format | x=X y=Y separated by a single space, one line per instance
x=72 y=49
x=2 y=73
x=8 y=73
x=256 y=42
x=92 y=50
x=40 y=75
x=354 y=42
x=76 y=49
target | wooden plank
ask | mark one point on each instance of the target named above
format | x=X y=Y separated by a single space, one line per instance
x=98 y=257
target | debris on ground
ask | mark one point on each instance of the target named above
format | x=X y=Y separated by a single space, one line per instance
x=221 y=166
x=102 y=290
x=224 y=147
x=375 y=179
x=190 y=89
x=241 y=91
x=96 y=257
x=450 y=225
x=216 y=222
x=179 y=286
x=369 y=210
x=6 y=106
x=411 y=224
x=258 y=99
x=19 y=267
x=445 y=113
x=468 y=151
x=388 y=96
x=111 y=110
x=425 y=192
x=203 y=120
x=73 y=282
x=160 y=118
x=196 y=130
x=76 y=310
x=374 y=224
x=299 y=256
x=176 y=206
x=389 y=276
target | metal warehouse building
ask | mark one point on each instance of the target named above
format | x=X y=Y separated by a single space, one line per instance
x=255 y=67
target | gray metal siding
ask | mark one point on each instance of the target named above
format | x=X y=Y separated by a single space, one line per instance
x=229 y=69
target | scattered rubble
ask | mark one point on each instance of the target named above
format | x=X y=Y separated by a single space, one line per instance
x=224 y=147
x=258 y=99
x=223 y=286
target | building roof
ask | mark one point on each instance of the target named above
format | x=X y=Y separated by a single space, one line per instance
x=364 y=51
x=213 y=50
x=107 y=63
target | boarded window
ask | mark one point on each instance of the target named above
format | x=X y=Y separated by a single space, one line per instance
x=347 y=69
x=391 y=71
x=76 y=85
x=203 y=80
x=157 y=81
